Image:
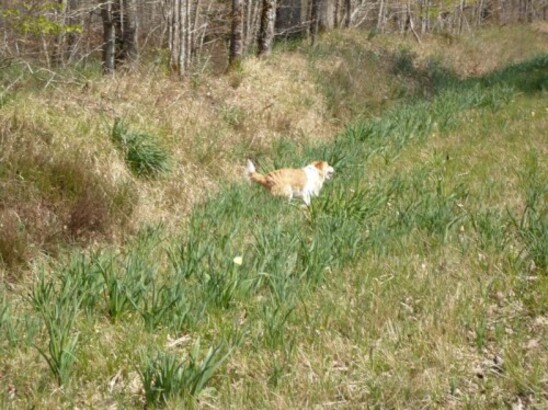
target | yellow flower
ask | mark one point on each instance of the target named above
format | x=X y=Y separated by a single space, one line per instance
x=238 y=260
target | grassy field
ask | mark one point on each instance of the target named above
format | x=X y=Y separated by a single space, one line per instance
x=418 y=279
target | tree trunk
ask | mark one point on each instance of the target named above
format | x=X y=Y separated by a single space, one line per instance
x=347 y=13
x=129 y=31
x=179 y=36
x=60 y=40
x=314 y=20
x=266 y=33
x=424 y=15
x=462 y=16
x=181 y=41
x=72 y=36
x=380 y=19
x=326 y=15
x=236 y=35
x=108 y=38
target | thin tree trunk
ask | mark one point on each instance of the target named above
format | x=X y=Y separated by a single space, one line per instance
x=380 y=18
x=461 y=19
x=108 y=38
x=314 y=20
x=171 y=31
x=236 y=34
x=425 y=15
x=72 y=36
x=410 y=25
x=247 y=27
x=118 y=18
x=129 y=31
x=181 y=63
x=60 y=40
x=347 y=13
x=266 y=32
x=188 y=34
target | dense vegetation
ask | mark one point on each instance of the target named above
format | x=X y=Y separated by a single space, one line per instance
x=139 y=268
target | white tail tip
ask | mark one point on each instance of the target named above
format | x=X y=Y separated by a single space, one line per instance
x=250 y=168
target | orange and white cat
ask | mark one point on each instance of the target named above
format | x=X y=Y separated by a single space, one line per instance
x=289 y=182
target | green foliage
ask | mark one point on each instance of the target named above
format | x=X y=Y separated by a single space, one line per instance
x=141 y=151
x=32 y=20
x=165 y=376
x=528 y=76
x=533 y=223
x=58 y=309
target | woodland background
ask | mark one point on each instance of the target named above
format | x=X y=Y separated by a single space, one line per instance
x=182 y=32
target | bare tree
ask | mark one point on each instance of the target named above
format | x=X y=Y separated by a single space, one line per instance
x=381 y=20
x=129 y=31
x=44 y=35
x=266 y=32
x=61 y=10
x=314 y=20
x=327 y=14
x=236 y=34
x=109 y=39
x=347 y=13
x=179 y=60
x=75 y=22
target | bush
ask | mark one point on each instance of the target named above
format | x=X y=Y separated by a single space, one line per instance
x=141 y=151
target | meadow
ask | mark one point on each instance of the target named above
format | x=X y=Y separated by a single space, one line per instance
x=417 y=279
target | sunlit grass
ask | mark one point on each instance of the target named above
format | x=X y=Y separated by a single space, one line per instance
x=416 y=279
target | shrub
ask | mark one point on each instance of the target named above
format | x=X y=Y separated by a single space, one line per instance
x=141 y=151
x=165 y=376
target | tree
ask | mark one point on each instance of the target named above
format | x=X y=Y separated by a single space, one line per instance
x=266 y=32
x=129 y=31
x=109 y=39
x=314 y=19
x=347 y=13
x=178 y=26
x=61 y=9
x=119 y=33
x=236 y=34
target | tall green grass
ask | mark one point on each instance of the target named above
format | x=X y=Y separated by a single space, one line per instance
x=142 y=152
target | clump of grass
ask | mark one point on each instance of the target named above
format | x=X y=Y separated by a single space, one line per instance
x=16 y=329
x=165 y=376
x=533 y=223
x=122 y=283
x=6 y=320
x=142 y=153
x=58 y=309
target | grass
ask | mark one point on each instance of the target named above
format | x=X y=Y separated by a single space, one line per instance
x=141 y=152
x=165 y=377
x=417 y=278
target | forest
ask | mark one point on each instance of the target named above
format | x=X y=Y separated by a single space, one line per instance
x=184 y=32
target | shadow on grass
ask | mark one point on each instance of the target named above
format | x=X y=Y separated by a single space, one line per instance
x=529 y=76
